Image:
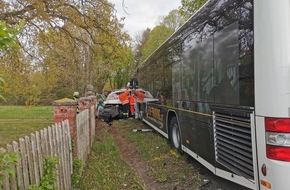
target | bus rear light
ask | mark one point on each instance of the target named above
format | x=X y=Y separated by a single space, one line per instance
x=278 y=153
x=278 y=124
x=278 y=139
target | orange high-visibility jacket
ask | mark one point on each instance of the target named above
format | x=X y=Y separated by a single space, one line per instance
x=124 y=97
x=140 y=95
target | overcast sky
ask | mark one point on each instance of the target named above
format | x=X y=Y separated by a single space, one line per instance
x=143 y=14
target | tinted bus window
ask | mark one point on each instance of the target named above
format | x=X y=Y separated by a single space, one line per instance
x=197 y=65
x=176 y=83
x=158 y=77
x=211 y=57
x=246 y=69
x=226 y=62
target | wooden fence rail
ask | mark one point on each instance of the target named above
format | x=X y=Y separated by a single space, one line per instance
x=52 y=141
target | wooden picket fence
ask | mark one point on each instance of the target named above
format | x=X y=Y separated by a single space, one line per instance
x=93 y=125
x=85 y=135
x=52 y=141
x=82 y=134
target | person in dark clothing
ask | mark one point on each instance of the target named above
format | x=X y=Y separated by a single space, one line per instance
x=124 y=98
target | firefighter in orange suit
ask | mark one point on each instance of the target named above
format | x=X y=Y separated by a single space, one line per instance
x=132 y=104
x=139 y=97
x=124 y=98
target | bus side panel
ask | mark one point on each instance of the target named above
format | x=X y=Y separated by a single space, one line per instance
x=197 y=135
x=156 y=115
x=188 y=130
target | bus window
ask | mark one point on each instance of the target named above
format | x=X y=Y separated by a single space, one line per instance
x=197 y=67
x=176 y=85
x=226 y=63
x=246 y=68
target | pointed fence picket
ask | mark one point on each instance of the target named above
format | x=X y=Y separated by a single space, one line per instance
x=54 y=141
x=31 y=152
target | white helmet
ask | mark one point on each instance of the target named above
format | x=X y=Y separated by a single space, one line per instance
x=76 y=94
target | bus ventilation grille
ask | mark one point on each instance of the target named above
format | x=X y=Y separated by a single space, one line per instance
x=233 y=142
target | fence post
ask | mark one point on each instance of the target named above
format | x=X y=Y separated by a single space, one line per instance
x=87 y=103
x=5 y=182
x=67 y=109
x=93 y=113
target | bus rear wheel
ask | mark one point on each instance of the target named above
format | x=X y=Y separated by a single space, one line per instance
x=175 y=137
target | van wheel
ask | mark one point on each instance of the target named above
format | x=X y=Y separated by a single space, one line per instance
x=175 y=137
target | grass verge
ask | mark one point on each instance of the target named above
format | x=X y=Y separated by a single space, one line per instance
x=106 y=168
x=18 y=121
x=164 y=167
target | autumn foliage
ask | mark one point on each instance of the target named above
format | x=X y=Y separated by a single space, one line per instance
x=64 y=45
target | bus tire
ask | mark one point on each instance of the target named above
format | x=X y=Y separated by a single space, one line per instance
x=175 y=136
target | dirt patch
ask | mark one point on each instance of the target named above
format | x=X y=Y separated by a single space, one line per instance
x=132 y=157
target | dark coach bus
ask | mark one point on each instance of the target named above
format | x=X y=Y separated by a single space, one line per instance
x=222 y=81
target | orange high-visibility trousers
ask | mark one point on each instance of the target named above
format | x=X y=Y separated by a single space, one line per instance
x=132 y=104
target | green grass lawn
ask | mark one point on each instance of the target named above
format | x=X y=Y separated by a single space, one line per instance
x=18 y=121
x=24 y=112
